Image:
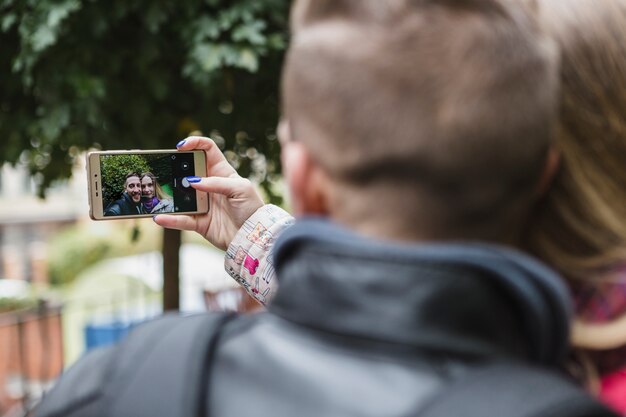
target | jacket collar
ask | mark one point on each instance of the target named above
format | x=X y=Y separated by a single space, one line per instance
x=470 y=298
x=131 y=203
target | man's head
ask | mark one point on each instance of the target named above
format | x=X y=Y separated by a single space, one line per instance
x=425 y=119
x=132 y=186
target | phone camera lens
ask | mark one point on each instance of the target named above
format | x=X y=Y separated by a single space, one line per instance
x=184 y=166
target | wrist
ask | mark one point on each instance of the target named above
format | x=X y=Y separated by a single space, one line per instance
x=248 y=257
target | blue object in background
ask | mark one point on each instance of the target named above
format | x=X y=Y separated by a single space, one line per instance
x=104 y=334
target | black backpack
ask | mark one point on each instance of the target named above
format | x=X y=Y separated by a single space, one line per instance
x=183 y=348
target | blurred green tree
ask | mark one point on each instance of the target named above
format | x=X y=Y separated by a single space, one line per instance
x=80 y=74
x=119 y=74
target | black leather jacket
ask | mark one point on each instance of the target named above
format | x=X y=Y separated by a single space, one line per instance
x=364 y=328
x=123 y=206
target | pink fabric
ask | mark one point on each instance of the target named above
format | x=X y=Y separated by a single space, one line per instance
x=248 y=258
x=613 y=390
x=604 y=299
x=600 y=301
x=251 y=264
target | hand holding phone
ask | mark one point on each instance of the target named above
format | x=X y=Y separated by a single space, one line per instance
x=232 y=199
x=131 y=184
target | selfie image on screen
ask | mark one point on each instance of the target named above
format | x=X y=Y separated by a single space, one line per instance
x=147 y=183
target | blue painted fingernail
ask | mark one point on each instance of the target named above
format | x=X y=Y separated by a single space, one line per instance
x=154 y=219
x=193 y=180
x=181 y=143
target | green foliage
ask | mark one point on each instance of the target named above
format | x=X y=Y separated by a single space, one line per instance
x=12 y=304
x=115 y=170
x=78 y=247
x=78 y=253
x=119 y=74
x=161 y=167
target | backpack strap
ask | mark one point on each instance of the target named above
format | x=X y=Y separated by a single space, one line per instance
x=161 y=367
x=506 y=389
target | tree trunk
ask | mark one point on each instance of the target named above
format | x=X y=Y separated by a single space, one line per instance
x=171 y=261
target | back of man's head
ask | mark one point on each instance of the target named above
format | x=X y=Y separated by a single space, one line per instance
x=436 y=112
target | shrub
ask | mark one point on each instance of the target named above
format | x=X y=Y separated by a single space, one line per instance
x=73 y=252
x=11 y=304
x=78 y=247
x=114 y=171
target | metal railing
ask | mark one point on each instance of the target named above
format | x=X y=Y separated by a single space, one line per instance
x=37 y=343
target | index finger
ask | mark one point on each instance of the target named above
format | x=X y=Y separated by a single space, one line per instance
x=217 y=165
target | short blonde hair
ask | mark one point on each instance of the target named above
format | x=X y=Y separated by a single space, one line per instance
x=449 y=101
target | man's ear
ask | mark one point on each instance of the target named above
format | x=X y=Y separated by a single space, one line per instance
x=550 y=168
x=308 y=183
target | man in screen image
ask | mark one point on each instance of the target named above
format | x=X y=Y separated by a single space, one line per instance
x=153 y=197
x=130 y=202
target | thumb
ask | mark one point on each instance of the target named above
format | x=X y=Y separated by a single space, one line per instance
x=180 y=222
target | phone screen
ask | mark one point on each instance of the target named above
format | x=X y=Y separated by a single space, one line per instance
x=147 y=183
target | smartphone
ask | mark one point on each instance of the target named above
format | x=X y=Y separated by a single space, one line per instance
x=134 y=184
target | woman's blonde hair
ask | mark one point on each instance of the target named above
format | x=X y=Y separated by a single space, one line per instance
x=580 y=228
x=158 y=190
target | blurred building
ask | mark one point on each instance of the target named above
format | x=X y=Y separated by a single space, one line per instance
x=27 y=222
x=31 y=339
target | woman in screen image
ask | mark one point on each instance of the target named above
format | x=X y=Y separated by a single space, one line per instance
x=153 y=198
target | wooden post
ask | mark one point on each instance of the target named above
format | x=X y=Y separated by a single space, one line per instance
x=171 y=261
